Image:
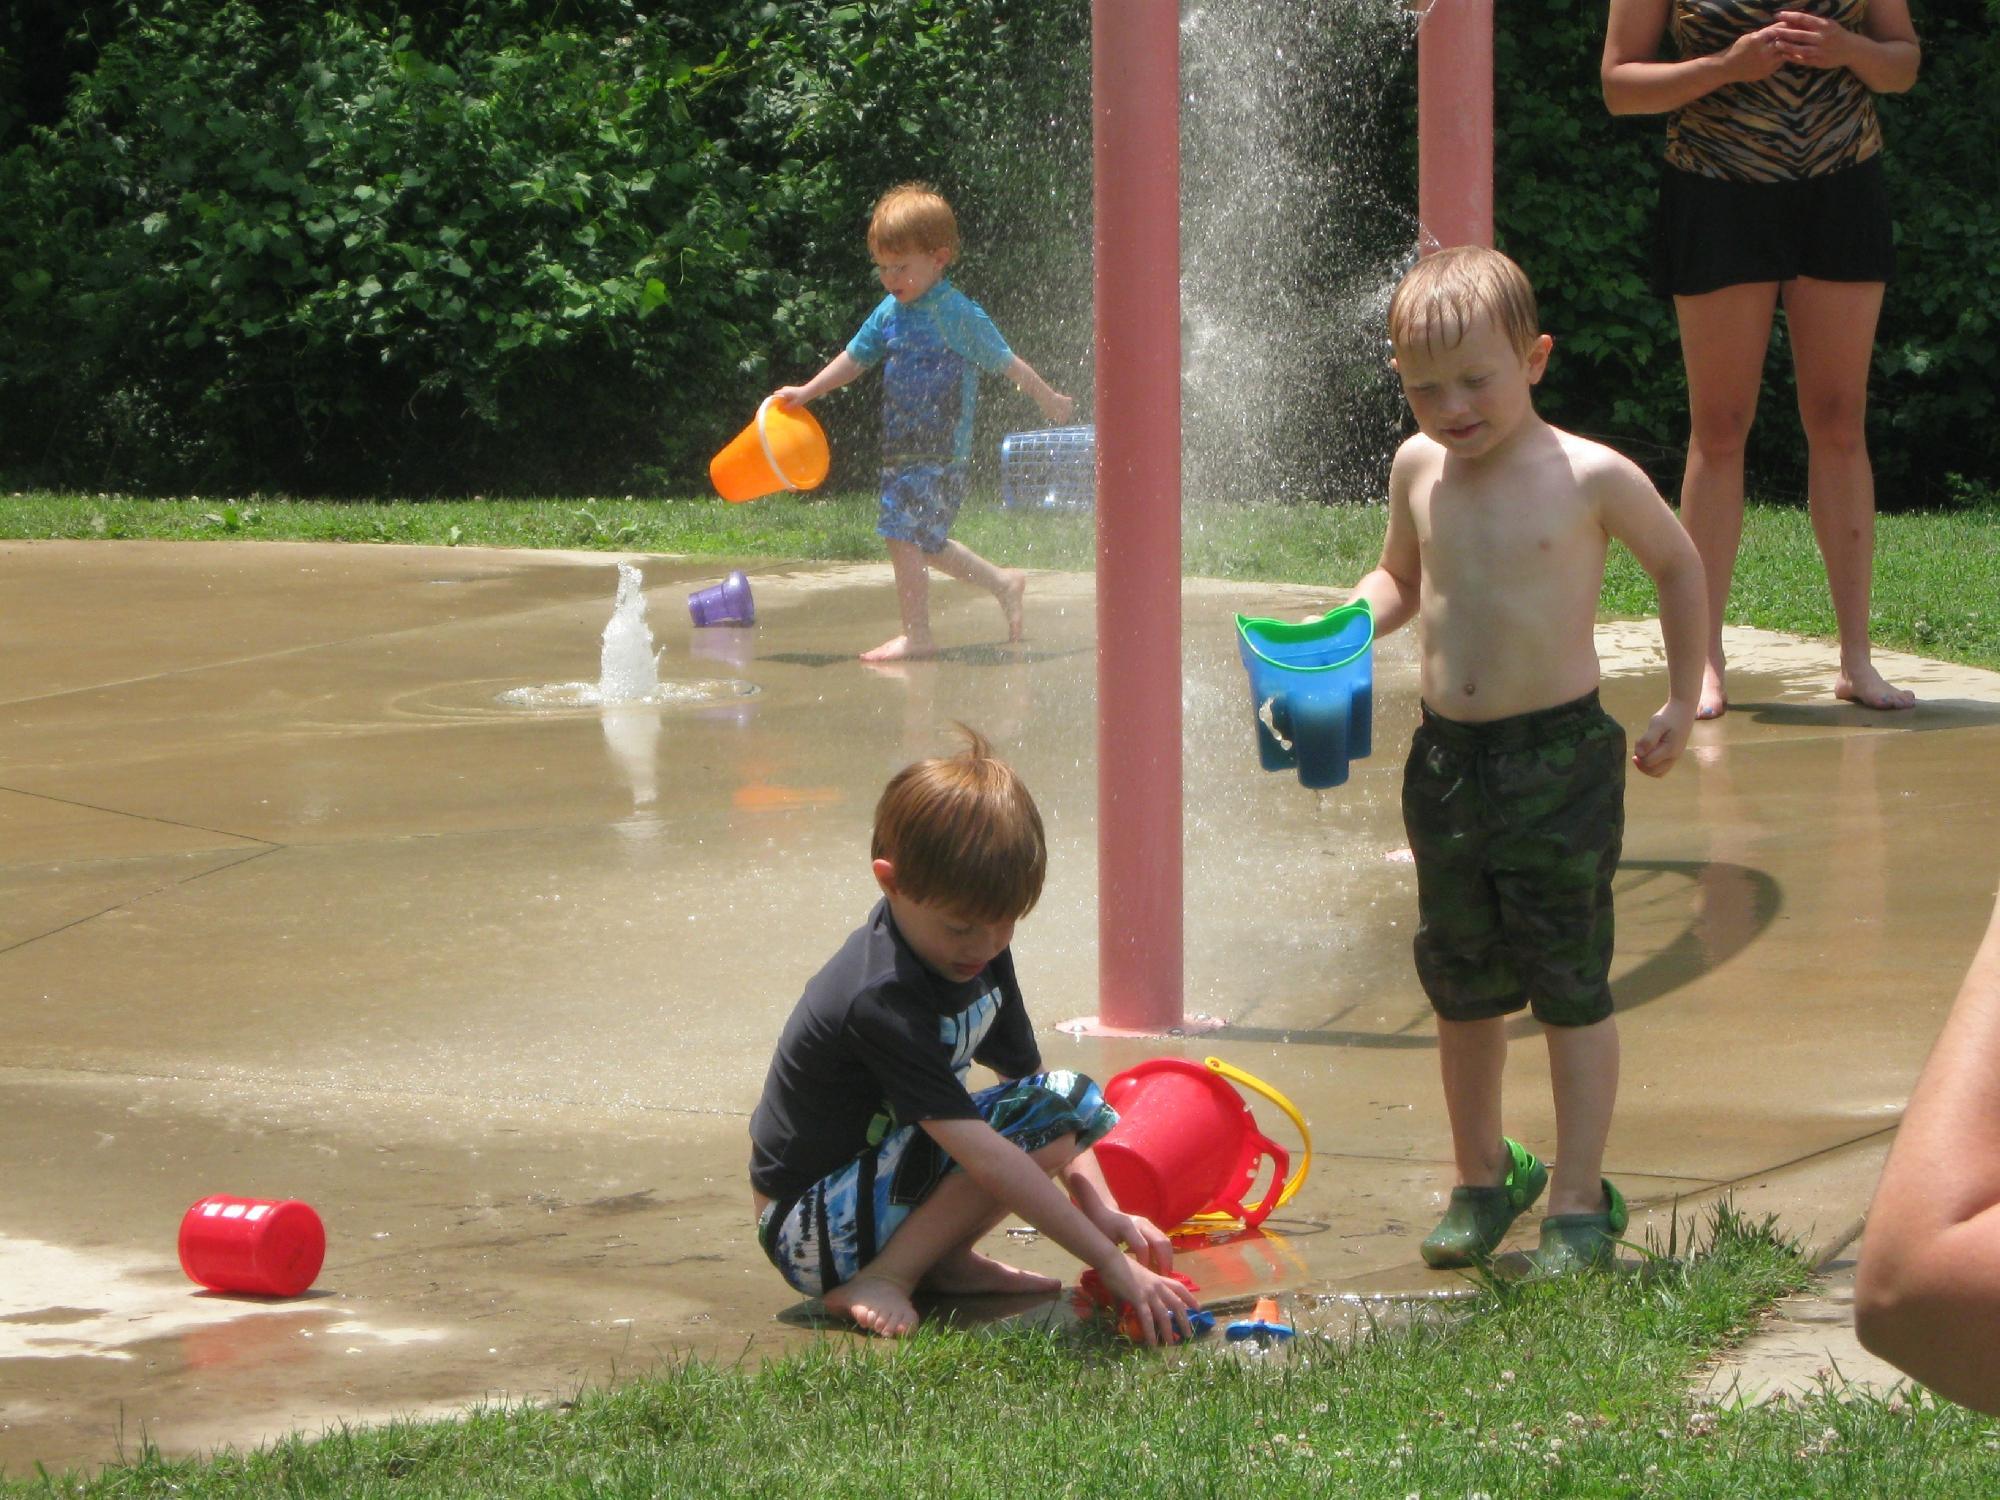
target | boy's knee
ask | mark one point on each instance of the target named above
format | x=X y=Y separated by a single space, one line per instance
x=1038 y=1110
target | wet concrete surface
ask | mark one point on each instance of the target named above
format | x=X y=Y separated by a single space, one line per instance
x=292 y=906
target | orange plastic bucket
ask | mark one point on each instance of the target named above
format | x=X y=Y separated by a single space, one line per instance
x=1185 y=1144
x=263 y=1246
x=783 y=448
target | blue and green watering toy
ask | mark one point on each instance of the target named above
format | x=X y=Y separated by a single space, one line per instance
x=1312 y=691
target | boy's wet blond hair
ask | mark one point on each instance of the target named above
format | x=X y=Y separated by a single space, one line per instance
x=912 y=216
x=963 y=834
x=1446 y=293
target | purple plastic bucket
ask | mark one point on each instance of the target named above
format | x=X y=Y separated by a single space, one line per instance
x=724 y=603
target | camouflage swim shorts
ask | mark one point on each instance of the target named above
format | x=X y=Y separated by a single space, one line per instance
x=1516 y=826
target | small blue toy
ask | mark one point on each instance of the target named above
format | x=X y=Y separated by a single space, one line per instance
x=1263 y=1323
x=1317 y=680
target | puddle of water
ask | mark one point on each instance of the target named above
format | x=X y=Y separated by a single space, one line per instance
x=505 y=698
x=558 y=696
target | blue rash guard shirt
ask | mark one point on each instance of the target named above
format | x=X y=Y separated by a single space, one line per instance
x=931 y=352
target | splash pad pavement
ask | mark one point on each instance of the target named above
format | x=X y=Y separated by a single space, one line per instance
x=293 y=904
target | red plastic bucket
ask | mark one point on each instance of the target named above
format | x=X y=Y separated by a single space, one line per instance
x=267 y=1247
x=1185 y=1143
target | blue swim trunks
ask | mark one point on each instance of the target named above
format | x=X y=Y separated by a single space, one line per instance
x=919 y=503
x=838 y=1225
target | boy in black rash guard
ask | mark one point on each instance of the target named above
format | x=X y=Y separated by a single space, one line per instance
x=874 y=1170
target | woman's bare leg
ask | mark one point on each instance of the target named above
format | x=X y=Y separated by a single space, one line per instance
x=1724 y=335
x=1832 y=326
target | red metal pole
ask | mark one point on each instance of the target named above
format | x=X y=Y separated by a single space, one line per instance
x=1135 y=69
x=1455 y=124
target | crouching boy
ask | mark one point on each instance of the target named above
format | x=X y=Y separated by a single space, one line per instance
x=874 y=1170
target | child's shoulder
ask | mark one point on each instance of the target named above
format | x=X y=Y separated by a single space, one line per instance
x=1582 y=449
x=1416 y=452
x=1598 y=467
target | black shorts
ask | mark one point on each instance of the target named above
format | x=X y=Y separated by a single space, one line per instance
x=1713 y=232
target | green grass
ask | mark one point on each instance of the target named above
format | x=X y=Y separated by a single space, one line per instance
x=1937 y=575
x=1578 y=1388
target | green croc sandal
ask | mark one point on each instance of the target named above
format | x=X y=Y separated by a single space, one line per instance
x=1477 y=1218
x=1581 y=1242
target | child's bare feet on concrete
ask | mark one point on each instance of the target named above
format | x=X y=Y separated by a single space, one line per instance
x=1865 y=686
x=1714 y=701
x=901 y=648
x=1013 y=584
x=873 y=1304
x=967 y=1273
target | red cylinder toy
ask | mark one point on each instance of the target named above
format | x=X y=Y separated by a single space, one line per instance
x=265 y=1247
x=1185 y=1143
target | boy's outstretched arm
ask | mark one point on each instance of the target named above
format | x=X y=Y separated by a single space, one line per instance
x=1927 y=1297
x=840 y=370
x=1149 y=1244
x=1395 y=587
x=1632 y=512
x=1057 y=407
x=1017 y=1183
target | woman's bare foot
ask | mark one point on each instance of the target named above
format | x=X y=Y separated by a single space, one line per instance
x=1866 y=687
x=967 y=1273
x=1714 y=701
x=873 y=1304
x=1013 y=584
x=902 y=648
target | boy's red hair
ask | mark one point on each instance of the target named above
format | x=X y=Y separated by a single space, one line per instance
x=912 y=216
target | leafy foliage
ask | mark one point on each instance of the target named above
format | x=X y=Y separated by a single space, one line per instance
x=527 y=246
x=1937 y=395
x=306 y=247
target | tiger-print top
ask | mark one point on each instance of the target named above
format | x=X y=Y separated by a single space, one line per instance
x=1799 y=122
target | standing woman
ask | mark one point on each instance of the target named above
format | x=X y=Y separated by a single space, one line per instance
x=1772 y=191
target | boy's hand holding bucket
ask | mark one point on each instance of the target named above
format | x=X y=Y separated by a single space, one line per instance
x=783 y=448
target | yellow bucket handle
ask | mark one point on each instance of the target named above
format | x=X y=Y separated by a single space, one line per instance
x=1237 y=1075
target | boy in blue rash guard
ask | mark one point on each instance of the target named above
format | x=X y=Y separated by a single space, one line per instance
x=932 y=342
x=875 y=1169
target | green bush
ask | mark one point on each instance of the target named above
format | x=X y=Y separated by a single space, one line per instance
x=1937 y=393
x=324 y=249
x=527 y=246
x=1573 y=194
x=294 y=251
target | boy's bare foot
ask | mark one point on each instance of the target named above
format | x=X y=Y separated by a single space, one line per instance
x=1714 y=700
x=902 y=648
x=967 y=1273
x=1867 y=688
x=1013 y=584
x=873 y=1304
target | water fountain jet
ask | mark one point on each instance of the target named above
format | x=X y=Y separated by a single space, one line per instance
x=628 y=666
